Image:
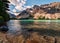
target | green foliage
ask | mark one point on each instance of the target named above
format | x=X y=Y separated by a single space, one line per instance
x=58 y=18
x=4 y=15
x=1 y=19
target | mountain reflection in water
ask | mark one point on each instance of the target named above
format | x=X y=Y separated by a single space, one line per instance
x=16 y=26
x=35 y=31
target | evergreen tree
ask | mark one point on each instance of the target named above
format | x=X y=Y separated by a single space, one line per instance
x=3 y=7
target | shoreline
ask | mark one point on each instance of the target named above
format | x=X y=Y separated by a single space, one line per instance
x=42 y=20
x=4 y=23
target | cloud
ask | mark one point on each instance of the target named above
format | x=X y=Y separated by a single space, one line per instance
x=18 y=0
x=28 y=6
x=13 y=2
x=14 y=10
x=18 y=5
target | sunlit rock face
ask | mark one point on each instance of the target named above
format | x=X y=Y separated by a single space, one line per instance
x=50 y=11
x=47 y=16
x=36 y=16
x=55 y=4
x=57 y=15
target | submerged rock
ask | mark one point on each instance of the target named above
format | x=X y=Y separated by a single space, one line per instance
x=4 y=28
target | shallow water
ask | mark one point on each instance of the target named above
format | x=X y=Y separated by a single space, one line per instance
x=22 y=30
x=17 y=27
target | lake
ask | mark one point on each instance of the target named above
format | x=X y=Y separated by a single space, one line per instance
x=26 y=31
x=18 y=25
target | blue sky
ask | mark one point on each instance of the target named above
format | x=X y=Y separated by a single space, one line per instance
x=34 y=2
x=39 y=2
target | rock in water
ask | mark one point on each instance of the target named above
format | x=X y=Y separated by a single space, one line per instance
x=4 y=28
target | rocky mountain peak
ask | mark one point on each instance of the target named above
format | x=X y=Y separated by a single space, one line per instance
x=50 y=11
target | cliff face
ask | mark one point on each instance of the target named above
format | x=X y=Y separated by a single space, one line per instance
x=47 y=11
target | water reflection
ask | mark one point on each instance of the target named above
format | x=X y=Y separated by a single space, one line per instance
x=22 y=31
x=25 y=27
x=14 y=26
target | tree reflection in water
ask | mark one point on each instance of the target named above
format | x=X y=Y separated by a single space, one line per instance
x=32 y=31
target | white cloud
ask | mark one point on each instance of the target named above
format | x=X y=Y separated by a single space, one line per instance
x=13 y=2
x=19 y=8
x=23 y=2
x=19 y=5
x=18 y=0
x=16 y=14
x=14 y=10
x=28 y=6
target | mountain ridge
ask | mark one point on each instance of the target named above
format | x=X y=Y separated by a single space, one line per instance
x=46 y=11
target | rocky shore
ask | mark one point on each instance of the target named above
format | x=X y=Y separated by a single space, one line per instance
x=31 y=36
x=4 y=27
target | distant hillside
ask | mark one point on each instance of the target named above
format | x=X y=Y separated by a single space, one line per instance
x=12 y=15
x=46 y=11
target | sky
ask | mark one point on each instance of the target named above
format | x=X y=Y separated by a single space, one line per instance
x=39 y=2
x=19 y=5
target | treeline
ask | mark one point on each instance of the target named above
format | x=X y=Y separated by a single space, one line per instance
x=4 y=16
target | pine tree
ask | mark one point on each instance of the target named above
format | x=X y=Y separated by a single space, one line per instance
x=3 y=7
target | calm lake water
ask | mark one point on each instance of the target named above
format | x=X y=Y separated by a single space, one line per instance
x=17 y=26
x=32 y=31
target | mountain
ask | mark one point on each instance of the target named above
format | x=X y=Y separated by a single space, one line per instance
x=12 y=15
x=46 y=11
